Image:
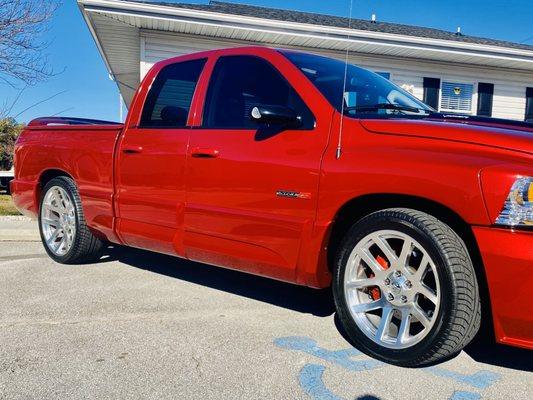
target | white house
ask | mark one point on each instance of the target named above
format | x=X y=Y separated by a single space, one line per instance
x=448 y=70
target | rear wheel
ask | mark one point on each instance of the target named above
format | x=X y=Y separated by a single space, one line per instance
x=405 y=288
x=64 y=233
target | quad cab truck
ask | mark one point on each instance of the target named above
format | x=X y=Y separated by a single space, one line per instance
x=270 y=162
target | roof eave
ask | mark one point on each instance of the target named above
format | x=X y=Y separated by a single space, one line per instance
x=161 y=11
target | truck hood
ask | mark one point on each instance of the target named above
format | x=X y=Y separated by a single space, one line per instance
x=516 y=138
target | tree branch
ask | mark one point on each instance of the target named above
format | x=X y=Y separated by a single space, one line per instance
x=22 y=23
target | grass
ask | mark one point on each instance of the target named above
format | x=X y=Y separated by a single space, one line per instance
x=6 y=205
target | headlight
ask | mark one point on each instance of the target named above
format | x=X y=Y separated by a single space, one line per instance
x=518 y=207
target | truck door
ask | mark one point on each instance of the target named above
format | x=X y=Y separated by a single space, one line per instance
x=252 y=189
x=151 y=162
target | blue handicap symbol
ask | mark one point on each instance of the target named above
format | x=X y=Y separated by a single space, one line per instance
x=460 y=395
x=311 y=381
x=480 y=379
x=339 y=357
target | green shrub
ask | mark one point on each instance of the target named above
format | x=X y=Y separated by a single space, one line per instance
x=9 y=132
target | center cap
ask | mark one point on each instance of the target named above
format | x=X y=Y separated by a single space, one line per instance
x=398 y=285
x=396 y=288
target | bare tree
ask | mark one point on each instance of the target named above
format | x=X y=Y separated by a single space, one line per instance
x=22 y=23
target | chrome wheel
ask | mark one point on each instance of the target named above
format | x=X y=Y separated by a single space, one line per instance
x=391 y=287
x=58 y=221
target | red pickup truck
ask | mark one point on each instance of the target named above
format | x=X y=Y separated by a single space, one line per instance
x=299 y=168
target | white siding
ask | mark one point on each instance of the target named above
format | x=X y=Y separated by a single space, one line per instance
x=509 y=100
x=509 y=86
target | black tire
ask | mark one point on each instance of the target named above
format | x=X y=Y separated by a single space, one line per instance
x=459 y=315
x=85 y=247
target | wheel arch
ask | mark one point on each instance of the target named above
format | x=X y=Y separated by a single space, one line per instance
x=46 y=176
x=357 y=208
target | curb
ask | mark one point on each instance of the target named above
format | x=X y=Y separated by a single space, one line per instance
x=15 y=218
x=18 y=228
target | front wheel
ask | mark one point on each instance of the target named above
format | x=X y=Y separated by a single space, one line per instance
x=405 y=288
x=64 y=233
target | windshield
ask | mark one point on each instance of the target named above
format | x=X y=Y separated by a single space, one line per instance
x=366 y=93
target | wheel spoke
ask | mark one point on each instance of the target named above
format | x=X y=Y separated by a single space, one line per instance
x=60 y=200
x=70 y=239
x=370 y=306
x=428 y=293
x=54 y=236
x=51 y=221
x=385 y=248
x=54 y=208
x=420 y=315
x=418 y=276
x=407 y=248
x=369 y=259
x=62 y=242
x=384 y=324
x=403 y=330
x=54 y=197
x=362 y=283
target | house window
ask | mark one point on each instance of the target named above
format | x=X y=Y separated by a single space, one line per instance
x=456 y=97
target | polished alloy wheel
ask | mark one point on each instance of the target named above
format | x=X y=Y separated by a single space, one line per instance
x=391 y=289
x=58 y=221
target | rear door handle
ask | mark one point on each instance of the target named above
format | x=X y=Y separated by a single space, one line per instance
x=202 y=152
x=132 y=149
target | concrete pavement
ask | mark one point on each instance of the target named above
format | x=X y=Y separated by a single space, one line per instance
x=18 y=228
x=142 y=325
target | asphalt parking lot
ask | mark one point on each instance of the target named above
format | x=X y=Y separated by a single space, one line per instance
x=142 y=325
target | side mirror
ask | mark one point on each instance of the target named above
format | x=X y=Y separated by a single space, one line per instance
x=276 y=115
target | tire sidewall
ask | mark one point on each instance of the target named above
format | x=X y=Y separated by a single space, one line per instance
x=392 y=220
x=64 y=184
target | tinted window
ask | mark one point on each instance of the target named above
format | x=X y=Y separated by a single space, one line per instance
x=355 y=91
x=240 y=83
x=170 y=96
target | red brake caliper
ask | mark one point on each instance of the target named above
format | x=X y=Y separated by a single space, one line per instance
x=375 y=293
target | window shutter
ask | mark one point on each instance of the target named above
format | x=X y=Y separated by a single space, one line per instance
x=529 y=104
x=485 y=91
x=431 y=92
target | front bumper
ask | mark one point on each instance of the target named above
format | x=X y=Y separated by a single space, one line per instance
x=508 y=259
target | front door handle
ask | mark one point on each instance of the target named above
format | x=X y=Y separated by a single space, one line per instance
x=202 y=152
x=132 y=149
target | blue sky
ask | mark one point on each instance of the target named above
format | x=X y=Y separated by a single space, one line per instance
x=88 y=92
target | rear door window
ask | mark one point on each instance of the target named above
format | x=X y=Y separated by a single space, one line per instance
x=169 y=99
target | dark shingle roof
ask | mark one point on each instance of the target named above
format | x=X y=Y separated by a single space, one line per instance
x=335 y=21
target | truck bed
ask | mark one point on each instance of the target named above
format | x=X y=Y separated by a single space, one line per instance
x=82 y=148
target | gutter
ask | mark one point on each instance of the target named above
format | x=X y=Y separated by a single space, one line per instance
x=300 y=29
